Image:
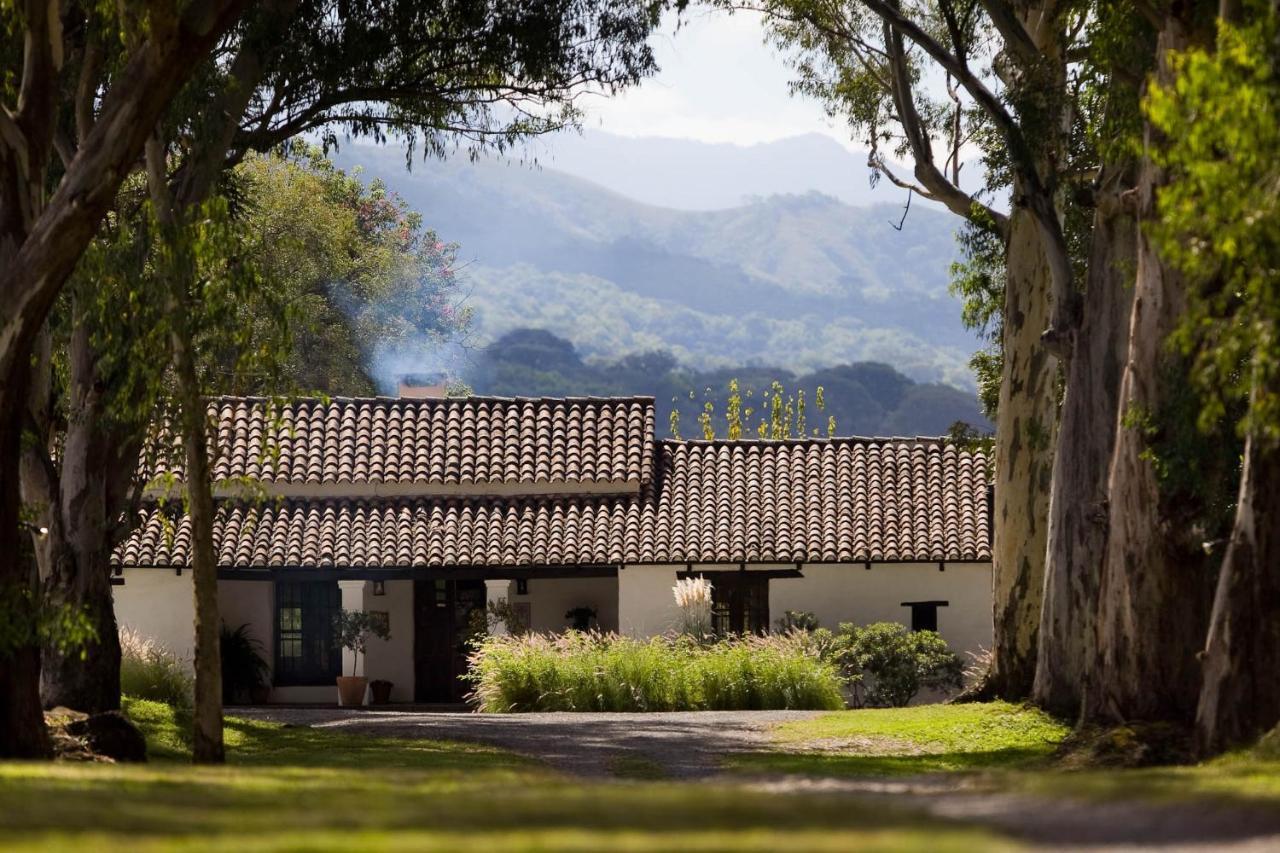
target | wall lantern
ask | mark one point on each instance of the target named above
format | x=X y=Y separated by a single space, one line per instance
x=522 y=586
x=379 y=588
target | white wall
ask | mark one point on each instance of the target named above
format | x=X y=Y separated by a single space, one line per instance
x=851 y=593
x=646 y=606
x=834 y=593
x=393 y=659
x=159 y=604
x=551 y=598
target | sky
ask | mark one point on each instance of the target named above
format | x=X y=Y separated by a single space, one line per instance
x=718 y=82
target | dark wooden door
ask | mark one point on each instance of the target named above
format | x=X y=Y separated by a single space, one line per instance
x=739 y=603
x=442 y=616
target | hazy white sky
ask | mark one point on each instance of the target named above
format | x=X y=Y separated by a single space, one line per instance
x=718 y=82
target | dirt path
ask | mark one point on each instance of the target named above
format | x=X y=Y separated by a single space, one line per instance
x=691 y=745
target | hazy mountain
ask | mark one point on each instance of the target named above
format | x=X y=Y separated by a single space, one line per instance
x=691 y=175
x=797 y=281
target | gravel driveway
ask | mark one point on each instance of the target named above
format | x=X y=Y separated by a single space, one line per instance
x=690 y=745
x=684 y=745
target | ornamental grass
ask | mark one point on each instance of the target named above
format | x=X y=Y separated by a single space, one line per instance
x=593 y=671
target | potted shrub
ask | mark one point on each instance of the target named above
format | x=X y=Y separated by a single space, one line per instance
x=580 y=618
x=353 y=629
x=380 y=691
x=244 y=671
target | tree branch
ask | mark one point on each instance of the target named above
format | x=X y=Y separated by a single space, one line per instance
x=926 y=172
x=1016 y=39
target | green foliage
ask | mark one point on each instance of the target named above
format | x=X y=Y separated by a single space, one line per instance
x=796 y=620
x=150 y=671
x=782 y=415
x=865 y=398
x=353 y=629
x=608 y=672
x=25 y=616
x=367 y=286
x=978 y=279
x=243 y=667
x=1220 y=216
x=888 y=665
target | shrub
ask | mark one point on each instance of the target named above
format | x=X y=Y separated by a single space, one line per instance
x=796 y=620
x=606 y=672
x=150 y=671
x=888 y=664
x=243 y=667
x=353 y=629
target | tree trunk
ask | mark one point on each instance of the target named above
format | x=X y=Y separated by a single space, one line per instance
x=22 y=729
x=207 y=745
x=83 y=492
x=1077 y=532
x=1240 y=696
x=1153 y=589
x=1025 y=426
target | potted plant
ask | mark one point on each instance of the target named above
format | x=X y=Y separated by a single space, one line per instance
x=380 y=691
x=581 y=617
x=244 y=671
x=353 y=629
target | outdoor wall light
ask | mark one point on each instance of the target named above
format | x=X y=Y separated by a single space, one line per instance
x=379 y=588
x=522 y=586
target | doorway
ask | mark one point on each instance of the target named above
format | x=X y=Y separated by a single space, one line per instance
x=442 y=617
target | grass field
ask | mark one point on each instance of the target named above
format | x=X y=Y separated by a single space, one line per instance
x=1008 y=747
x=923 y=739
x=297 y=788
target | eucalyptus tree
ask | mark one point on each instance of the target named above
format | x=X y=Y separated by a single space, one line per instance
x=1220 y=228
x=82 y=86
x=925 y=82
x=436 y=76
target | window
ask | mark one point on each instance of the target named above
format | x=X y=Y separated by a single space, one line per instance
x=924 y=614
x=306 y=650
x=739 y=603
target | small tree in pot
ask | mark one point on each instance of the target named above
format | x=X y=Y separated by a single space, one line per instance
x=353 y=630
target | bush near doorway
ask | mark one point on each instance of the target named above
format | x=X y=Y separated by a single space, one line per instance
x=606 y=672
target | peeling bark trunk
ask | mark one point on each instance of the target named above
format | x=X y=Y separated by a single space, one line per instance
x=1240 y=696
x=83 y=495
x=1077 y=532
x=1153 y=590
x=1025 y=426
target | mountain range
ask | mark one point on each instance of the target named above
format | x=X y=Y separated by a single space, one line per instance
x=799 y=281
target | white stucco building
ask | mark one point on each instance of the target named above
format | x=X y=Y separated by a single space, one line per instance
x=424 y=509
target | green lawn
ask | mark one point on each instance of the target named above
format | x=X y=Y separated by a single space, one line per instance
x=297 y=788
x=923 y=739
x=1001 y=746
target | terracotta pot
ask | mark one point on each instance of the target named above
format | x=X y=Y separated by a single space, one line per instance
x=351 y=690
x=379 y=692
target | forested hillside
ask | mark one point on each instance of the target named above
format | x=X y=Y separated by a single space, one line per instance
x=799 y=281
x=866 y=398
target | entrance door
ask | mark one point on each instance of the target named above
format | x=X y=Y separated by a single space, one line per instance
x=442 y=613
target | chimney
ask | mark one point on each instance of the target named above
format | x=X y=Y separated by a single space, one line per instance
x=423 y=386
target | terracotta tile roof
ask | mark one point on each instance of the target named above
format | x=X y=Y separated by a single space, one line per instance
x=824 y=500
x=421 y=443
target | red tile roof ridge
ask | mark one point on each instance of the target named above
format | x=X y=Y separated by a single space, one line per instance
x=383 y=399
x=834 y=439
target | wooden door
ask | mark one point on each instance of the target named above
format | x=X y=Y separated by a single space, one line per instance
x=442 y=615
